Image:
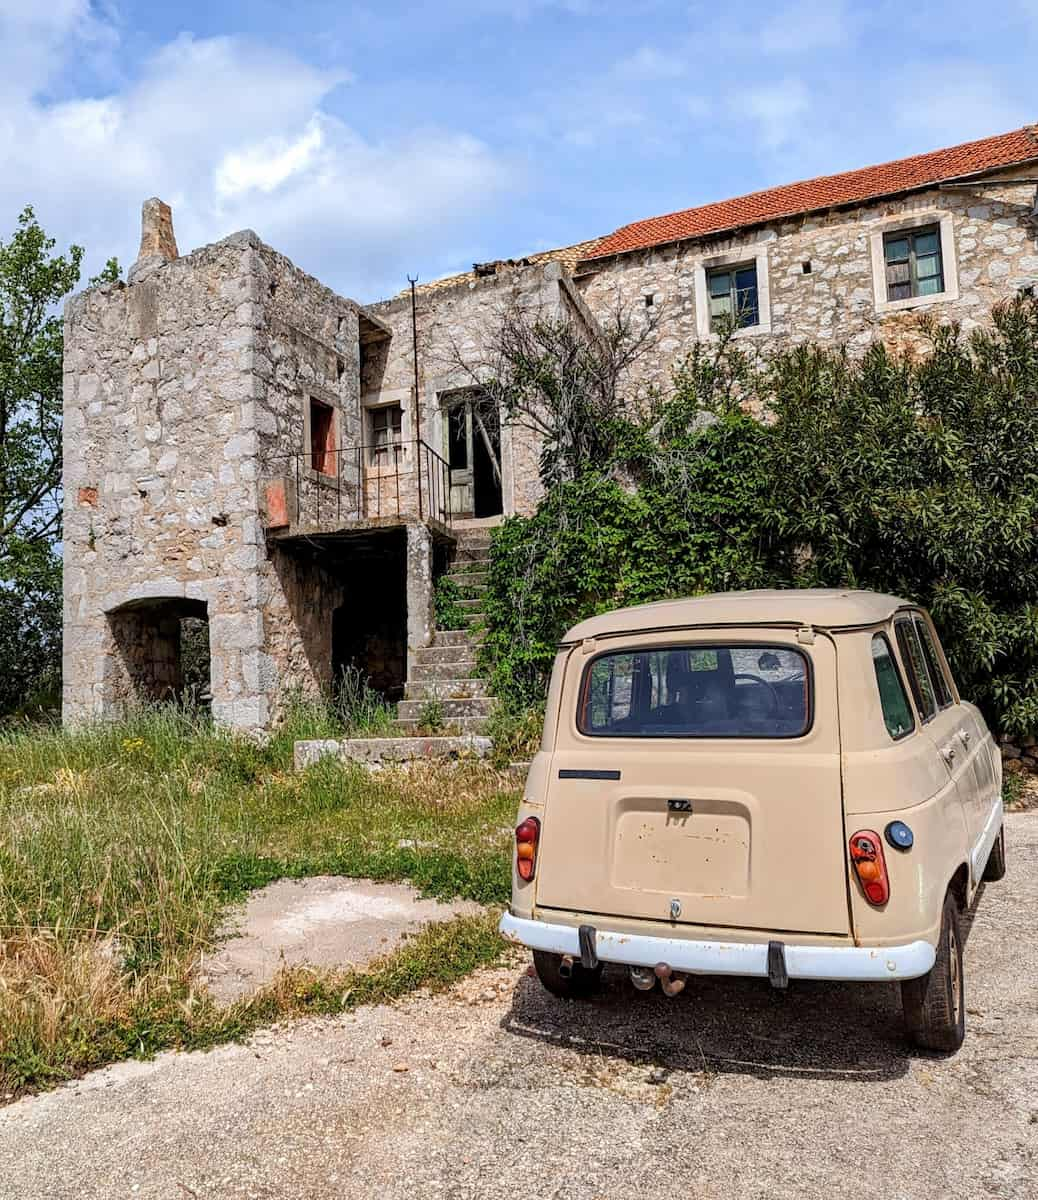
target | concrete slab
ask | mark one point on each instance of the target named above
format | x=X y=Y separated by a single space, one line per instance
x=376 y=752
x=327 y=921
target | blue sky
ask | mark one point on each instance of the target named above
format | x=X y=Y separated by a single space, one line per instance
x=369 y=140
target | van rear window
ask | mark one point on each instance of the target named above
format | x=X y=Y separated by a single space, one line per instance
x=697 y=691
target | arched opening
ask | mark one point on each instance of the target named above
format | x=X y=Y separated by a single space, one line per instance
x=161 y=652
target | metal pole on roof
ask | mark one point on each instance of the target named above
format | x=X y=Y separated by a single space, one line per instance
x=417 y=405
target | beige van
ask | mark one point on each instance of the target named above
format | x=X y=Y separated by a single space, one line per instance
x=783 y=784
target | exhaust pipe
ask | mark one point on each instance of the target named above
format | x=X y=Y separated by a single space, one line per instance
x=643 y=978
x=671 y=981
x=566 y=966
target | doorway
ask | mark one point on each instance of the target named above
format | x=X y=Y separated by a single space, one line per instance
x=472 y=436
x=369 y=628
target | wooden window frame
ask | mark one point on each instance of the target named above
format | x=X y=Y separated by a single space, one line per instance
x=378 y=453
x=733 y=291
x=911 y=236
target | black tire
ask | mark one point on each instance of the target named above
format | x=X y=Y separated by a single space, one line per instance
x=996 y=864
x=935 y=1004
x=578 y=985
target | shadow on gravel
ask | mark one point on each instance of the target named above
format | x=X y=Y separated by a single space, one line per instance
x=733 y=1025
x=718 y=1025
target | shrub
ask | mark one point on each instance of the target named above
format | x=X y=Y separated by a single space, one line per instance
x=916 y=476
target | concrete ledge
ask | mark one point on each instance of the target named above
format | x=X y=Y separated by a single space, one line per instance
x=377 y=752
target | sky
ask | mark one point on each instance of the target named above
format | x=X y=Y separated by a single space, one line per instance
x=369 y=141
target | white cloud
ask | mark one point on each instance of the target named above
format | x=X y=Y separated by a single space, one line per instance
x=956 y=101
x=806 y=26
x=233 y=134
x=647 y=63
x=778 y=110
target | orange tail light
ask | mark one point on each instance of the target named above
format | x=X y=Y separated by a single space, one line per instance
x=870 y=866
x=527 y=835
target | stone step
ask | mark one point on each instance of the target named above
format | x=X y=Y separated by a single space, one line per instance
x=450 y=637
x=464 y=553
x=459 y=725
x=460 y=657
x=412 y=710
x=464 y=668
x=470 y=585
x=470 y=606
x=445 y=689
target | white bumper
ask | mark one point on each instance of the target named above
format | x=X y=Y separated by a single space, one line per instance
x=863 y=964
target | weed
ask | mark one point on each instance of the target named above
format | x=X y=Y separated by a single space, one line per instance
x=447 y=601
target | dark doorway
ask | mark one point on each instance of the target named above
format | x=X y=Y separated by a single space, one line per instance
x=472 y=436
x=369 y=628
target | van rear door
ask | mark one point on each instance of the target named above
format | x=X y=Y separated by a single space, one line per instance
x=696 y=780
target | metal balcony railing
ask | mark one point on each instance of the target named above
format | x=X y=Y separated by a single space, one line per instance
x=371 y=481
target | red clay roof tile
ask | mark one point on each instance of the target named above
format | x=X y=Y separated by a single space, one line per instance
x=827 y=191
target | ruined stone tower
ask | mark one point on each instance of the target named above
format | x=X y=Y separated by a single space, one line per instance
x=206 y=405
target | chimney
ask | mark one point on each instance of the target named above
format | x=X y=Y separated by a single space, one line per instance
x=158 y=245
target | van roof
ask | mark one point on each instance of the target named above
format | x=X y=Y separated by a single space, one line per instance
x=827 y=608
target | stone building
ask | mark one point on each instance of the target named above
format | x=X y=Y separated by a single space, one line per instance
x=244 y=446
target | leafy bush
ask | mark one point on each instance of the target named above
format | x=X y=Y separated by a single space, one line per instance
x=916 y=476
x=447 y=607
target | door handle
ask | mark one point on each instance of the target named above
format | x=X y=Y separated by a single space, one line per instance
x=965 y=735
x=948 y=753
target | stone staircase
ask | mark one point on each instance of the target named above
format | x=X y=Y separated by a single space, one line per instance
x=444 y=677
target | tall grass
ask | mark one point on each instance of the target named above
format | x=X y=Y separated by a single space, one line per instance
x=120 y=845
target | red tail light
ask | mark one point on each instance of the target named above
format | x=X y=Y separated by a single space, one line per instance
x=870 y=866
x=527 y=834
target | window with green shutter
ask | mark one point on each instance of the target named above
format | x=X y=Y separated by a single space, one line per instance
x=732 y=295
x=913 y=263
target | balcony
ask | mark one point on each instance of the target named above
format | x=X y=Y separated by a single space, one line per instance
x=356 y=488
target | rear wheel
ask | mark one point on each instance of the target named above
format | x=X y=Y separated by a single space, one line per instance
x=935 y=1004
x=577 y=985
x=996 y=865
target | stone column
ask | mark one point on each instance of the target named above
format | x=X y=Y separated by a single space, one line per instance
x=420 y=612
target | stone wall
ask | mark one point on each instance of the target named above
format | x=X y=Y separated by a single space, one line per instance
x=179 y=391
x=835 y=300
x=457 y=325
x=818 y=280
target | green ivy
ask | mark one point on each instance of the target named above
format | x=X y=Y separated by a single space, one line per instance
x=448 y=610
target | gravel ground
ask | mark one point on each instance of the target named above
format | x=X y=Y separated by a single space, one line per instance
x=496 y=1089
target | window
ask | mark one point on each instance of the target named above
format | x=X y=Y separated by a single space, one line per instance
x=386 y=423
x=913 y=262
x=897 y=716
x=915 y=667
x=942 y=687
x=697 y=691
x=323 y=457
x=733 y=296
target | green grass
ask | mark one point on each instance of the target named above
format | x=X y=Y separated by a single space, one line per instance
x=121 y=845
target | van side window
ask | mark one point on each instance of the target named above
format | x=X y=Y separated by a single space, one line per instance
x=897 y=715
x=915 y=667
x=940 y=681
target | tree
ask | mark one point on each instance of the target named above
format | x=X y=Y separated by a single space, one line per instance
x=562 y=377
x=33 y=281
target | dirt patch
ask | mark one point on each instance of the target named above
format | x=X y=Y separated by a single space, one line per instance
x=326 y=921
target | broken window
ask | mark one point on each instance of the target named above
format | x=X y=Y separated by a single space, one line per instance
x=322 y=438
x=913 y=263
x=733 y=296
x=386 y=425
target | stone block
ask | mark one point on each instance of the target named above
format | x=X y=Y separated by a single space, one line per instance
x=379 y=752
